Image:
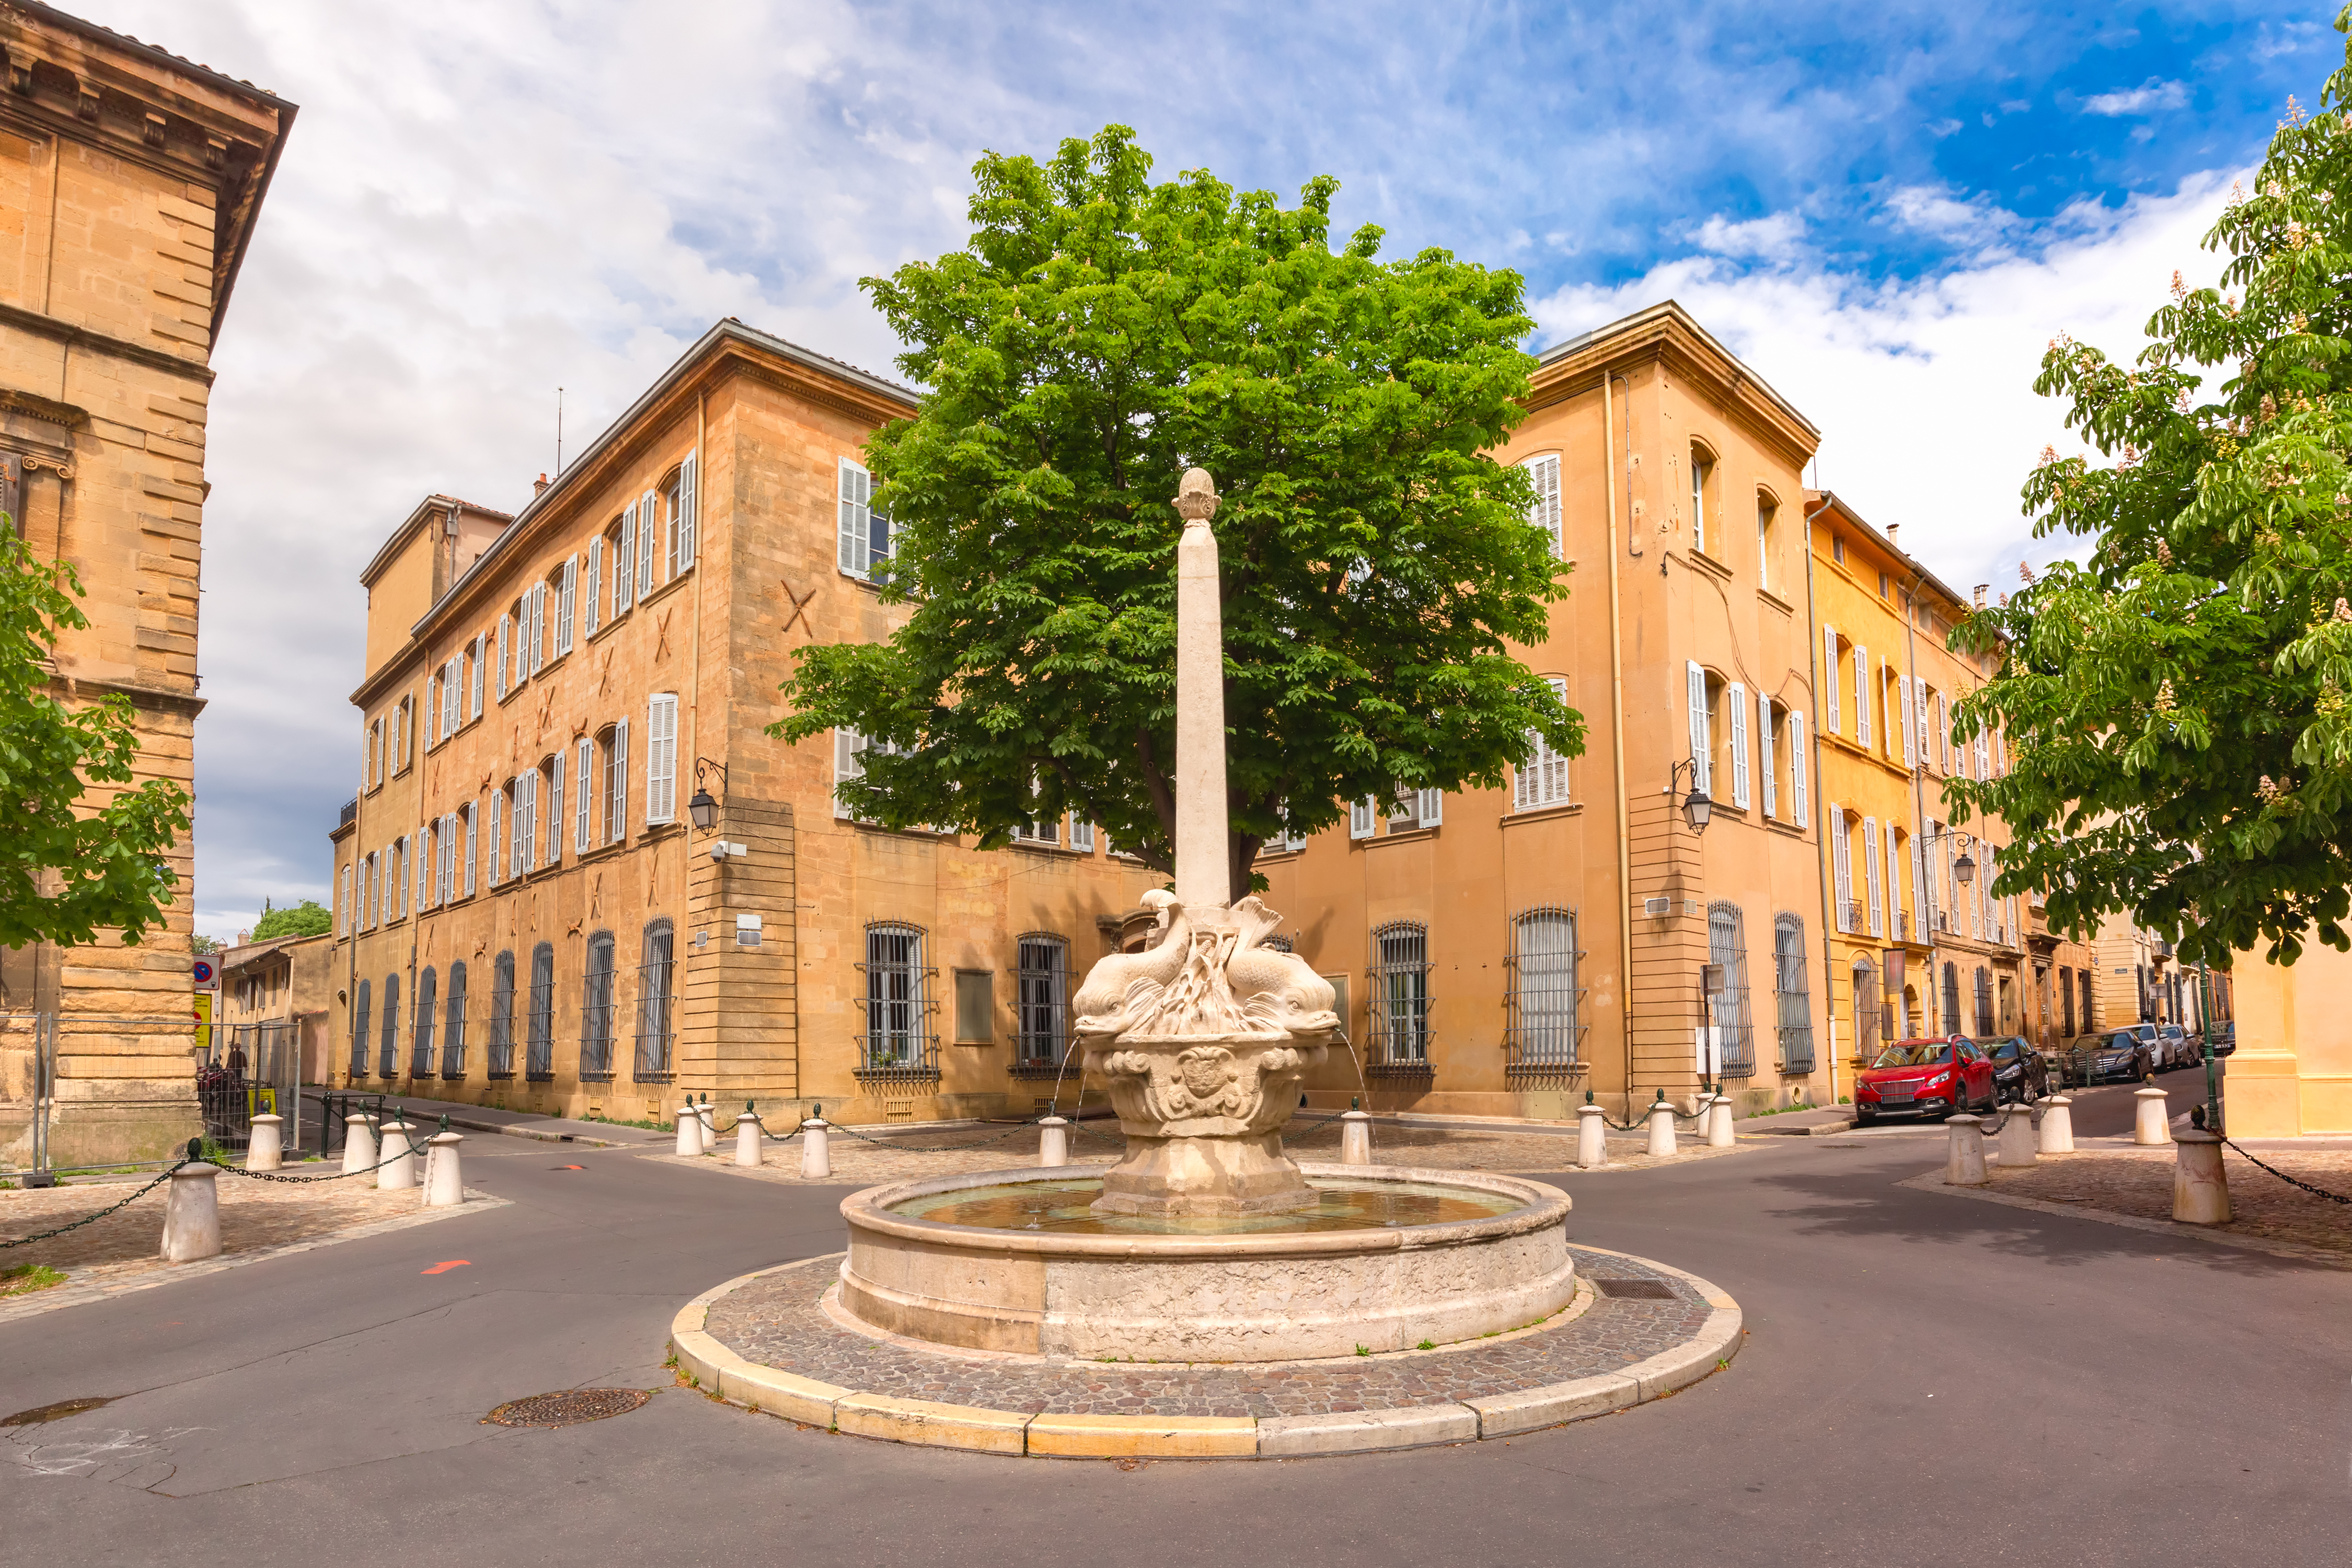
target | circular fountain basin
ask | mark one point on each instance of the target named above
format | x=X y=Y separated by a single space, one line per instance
x=1389 y=1258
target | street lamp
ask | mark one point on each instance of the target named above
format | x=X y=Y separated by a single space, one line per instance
x=702 y=808
x=1696 y=806
x=1963 y=870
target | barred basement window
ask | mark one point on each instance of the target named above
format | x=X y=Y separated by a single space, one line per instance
x=898 y=1038
x=387 y=1060
x=360 y=1032
x=420 y=1037
x=1984 y=1002
x=654 y=1005
x=502 y=993
x=1399 y=994
x=1795 y=1007
x=596 y=1008
x=1042 y=985
x=1726 y=944
x=1544 y=1000
x=453 y=1031
x=541 y=1059
x=1866 y=1009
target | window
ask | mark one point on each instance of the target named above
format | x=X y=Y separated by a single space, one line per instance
x=491 y=858
x=553 y=768
x=502 y=998
x=467 y=851
x=897 y=1004
x=1861 y=696
x=1726 y=944
x=1033 y=831
x=1544 y=472
x=596 y=993
x=616 y=783
x=1984 y=1000
x=360 y=1032
x=1800 y=812
x=506 y=651
x=1837 y=549
x=661 y=758
x=1841 y=868
x=1400 y=995
x=1767 y=753
x=1544 y=1000
x=1951 y=999
x=387 y=1057
x=1736 y=704
x=522 y=836
x=1542 y=779
x=1082 y=836
x=1767 y=512
x=1897 y=923
x=567 y=605
x=653 y=1005
x=1416 y=808
x=592 y=587
x=541 y=1063
x=1866 y=1010
x=1702 y=730
x=473 y=683
x=584 y=770
x=2083 y=979
x=344 y=904
x=453 y=1028
x=975 y=1005
x=1832 y=715
x=1870 y=875
x=677 y=520
x=1795 y=1008
x=865 y=544
x=648 y=542
x=1361 y=818
x=1044 y=989
x=1701 y=472
x=420 y=1036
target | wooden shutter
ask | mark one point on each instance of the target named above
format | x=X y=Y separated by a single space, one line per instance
x=567 y=609
x=1701 y=763
x=685 y=513
x=648 y=540
x=1922 y=895
x=661 y=758
x=585 y=791
x=624 y=556
x=1861 y=695
x=1870 y=875
x=1842 y=867
x=854 y=487
x=1831 y=675
x=1429 y=808
x=1545 y=473
x=1893 y=879
x=1910 y=725
x=848 y=762
x=473 y=683
x=1736 y=702
x=1768 y=765
x=1361 y=817
x=1798 y=811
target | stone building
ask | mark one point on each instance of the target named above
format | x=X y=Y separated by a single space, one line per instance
x=525 y=915
x=275 y=995
x=1501 y=953
x=130 y=181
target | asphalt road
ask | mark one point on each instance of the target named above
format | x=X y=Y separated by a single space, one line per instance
x=1928 y=1380
x=2110 y=1109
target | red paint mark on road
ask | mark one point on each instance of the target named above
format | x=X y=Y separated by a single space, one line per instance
x=444 y=1267
x=567 y=1167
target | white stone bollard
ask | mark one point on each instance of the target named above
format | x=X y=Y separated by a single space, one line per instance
x=2200 y=1191
x=265 y=1149
x=445 y=1181
x=748 y=1150
x=1662 y=1128
x=1964 y=1163
x=2018 y=1141
x=1719 y=1135
x=709 y=1128
x=689 y=1130
x=192 y=1214
x=817 y=1158
x=359 y=1144
x=2151 y=1122
x=2058 y=1125
x=396 y=1161
x=1054 y=1141
x=1355 y=1138
x=1591 y=1137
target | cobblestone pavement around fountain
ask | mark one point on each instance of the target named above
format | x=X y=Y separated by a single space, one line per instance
x=777 y=1320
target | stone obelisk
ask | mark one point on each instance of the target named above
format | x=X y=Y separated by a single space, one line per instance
x=1203 y=873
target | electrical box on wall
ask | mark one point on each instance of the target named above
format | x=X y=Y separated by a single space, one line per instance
x=746 y=930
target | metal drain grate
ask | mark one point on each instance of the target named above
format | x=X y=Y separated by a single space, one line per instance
x=569 y=1408
x=1636 y=1289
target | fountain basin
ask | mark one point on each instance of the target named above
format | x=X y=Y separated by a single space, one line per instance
x=1320 y=1282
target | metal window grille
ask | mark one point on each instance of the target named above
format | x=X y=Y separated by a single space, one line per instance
x=1951 y=999
x=1726 y=944
x=420 y=1033
x=1984 y=1001
x=1545 y=1001
x=387 y=1060
x=596 y=1004
x=360 y=1032
x=1866 y=1010
x=898 y=1041
x=453 y=1030
x=653 y=1005
x=1043 y=986
x=1399 y=998
x=502 y=994
x=1795 y=1004
x=540 y=1062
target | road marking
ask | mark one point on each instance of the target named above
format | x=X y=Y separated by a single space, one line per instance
x=567 y=1167
x=444 y=1267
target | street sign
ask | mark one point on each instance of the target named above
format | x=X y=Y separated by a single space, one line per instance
x=204 y=974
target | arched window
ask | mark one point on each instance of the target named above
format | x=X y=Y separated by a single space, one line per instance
x=1400 y=995
x=502 y=993
x=654 y=1005
x=360 y=1032
x=388 y=1055
x=897 y=1000
x=420 y=1038
x=596 y=1006
x=1793 y=1004
x=1984 y=1000
x=1702 y=484
x=1866 y=1040
x=1726 y=944
x=1767 y=510
x=541 y=1040
x=452 y=1031
x=1042 y=988
x=1544 y=1000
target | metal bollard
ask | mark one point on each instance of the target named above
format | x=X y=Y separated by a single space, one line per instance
x=1355 y=1138
x=817 y=1158
x=396 y=1161
x=265 y=1149
x=1719 y=1135
x=192 y=1214
x=445 y=1181
x=689 y=1130
x=1662 y=1128
x=2020 y=1143
x=2058 y=1125
x=359 y=1144
x=749 y=1149
x=1963 y=1163
x=1591 y=1137
x=2201 y=1189
x=2151 y=1120
x=1054 y=1141
x=709 y=1129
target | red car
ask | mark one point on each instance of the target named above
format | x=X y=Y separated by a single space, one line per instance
x=1925 y=1077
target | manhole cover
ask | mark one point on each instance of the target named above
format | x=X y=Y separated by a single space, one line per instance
x=569 y=1408
x=1636 y=1289
x=57 y=1412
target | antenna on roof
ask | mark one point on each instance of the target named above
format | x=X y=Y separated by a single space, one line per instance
x=558 y=430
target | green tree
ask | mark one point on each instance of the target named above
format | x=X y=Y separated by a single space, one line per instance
x=2181 y=706
x=70 y=866
x=308 y=918
x=1098 y=335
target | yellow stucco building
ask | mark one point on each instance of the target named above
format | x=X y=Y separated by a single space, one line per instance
x=2292 y=1074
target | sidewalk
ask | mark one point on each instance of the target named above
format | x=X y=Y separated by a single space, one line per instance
x=523 y=1124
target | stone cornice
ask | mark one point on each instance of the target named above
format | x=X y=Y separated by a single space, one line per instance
x=1665 y=334
x=156 y=697
x=105 y=343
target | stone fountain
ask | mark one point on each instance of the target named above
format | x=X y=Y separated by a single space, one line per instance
x=1205 y=1241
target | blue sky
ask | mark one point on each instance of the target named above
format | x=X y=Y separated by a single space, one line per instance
x=1886 y=208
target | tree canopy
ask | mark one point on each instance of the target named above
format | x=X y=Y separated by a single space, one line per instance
x=1098 y=335
x=2180 y=706
x=308 y=918
x=70 y=866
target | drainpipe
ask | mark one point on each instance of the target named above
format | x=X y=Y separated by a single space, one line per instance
x=1813 y=740
x=1617 y=729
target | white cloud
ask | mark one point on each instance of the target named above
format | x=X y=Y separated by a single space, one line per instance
x=2153 y=94
x=1773 y=236
x=1923 y=388
x=1930 y=209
